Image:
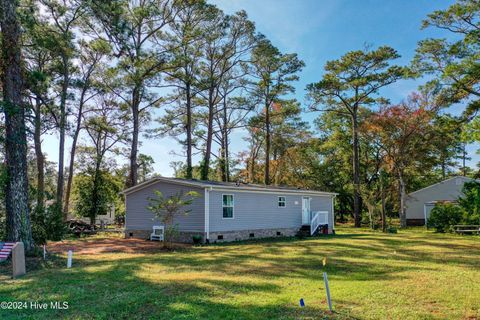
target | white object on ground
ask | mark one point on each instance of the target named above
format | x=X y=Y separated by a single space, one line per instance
x=158 y=233
x=69 y=259
x=327 y=288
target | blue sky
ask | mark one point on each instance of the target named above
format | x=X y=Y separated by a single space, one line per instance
x=318 y=31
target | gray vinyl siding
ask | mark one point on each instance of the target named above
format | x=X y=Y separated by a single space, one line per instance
x=255 y=210
x=138 y=217
x=447 y=190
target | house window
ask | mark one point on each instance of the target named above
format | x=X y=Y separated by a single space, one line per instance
x=227 y=206
x=282 y=202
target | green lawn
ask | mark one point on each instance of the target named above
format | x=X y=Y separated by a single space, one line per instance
x=410 y=275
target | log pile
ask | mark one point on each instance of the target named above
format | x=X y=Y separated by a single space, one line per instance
x=79 y=227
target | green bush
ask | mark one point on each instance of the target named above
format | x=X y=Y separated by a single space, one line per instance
x=391 y=230
x=47 y=224
x=197 y=239
x=470 y=202
x=445 y=215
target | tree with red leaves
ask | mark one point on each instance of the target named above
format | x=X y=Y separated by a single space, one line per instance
x=403 y=131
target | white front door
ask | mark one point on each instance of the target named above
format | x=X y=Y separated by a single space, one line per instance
x=306 y=211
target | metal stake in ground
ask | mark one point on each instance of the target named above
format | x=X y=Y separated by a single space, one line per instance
x=327 y=288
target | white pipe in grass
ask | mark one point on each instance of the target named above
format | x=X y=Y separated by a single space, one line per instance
x=327 y=288
x=69 y=259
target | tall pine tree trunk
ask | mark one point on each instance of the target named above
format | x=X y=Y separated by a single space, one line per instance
x=62 y=128
x=76 y=133
x=133 y=174
x=267 y=144
x=208 y=149
x=227 y=157
x=18 y=216
x=356 y=173
x=40 y=158
x=73 y=151
x=189 y=174
x=224 y=163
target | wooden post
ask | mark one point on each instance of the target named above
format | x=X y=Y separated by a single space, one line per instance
x=327 y=288
x=18 y=260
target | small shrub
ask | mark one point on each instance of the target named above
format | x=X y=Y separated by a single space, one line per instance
x=47 y=224
x=167 y=208
x=38 y=223
x=197 y=239
x=171 y=233
x=392 y=230
x=445 y=215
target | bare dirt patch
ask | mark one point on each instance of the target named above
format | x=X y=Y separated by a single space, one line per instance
x=107 y=245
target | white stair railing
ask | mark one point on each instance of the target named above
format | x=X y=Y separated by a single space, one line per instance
x=319 y=218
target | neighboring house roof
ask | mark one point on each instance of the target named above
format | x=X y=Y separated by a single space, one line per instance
x=441 y=201
x=223 y=186
x=438 y=183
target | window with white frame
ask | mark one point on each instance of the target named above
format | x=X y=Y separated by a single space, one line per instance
x=227 y=205
x=282 y=202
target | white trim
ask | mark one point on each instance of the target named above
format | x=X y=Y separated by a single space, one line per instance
x=284 y=201
x=126 y=213
x=207 y=214
x=425 y=213
x=425 y=210
x=439 y=183
x=233 y=206
x=333 y=213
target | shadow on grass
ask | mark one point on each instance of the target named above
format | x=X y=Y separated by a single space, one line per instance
x=223 y=281
x=117 y=292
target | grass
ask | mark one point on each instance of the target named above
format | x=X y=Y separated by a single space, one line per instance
x=414 y=274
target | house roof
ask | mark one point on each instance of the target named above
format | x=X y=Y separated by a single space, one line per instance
x=438 y=183
x=217 y=185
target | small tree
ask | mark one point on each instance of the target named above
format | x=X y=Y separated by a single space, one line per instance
x=470 y=202
x=167 y=208
x=403 y=132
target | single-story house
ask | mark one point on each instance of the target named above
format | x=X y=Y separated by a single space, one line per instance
x=231 y=211
x=420 y=203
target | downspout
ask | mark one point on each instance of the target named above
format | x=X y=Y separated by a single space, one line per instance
x=207 y=214
x=125 y=228
x=333 y=212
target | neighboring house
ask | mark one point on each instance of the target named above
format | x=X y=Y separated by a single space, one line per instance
x=105 y=219
x=230 y=211
x=421 y=202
